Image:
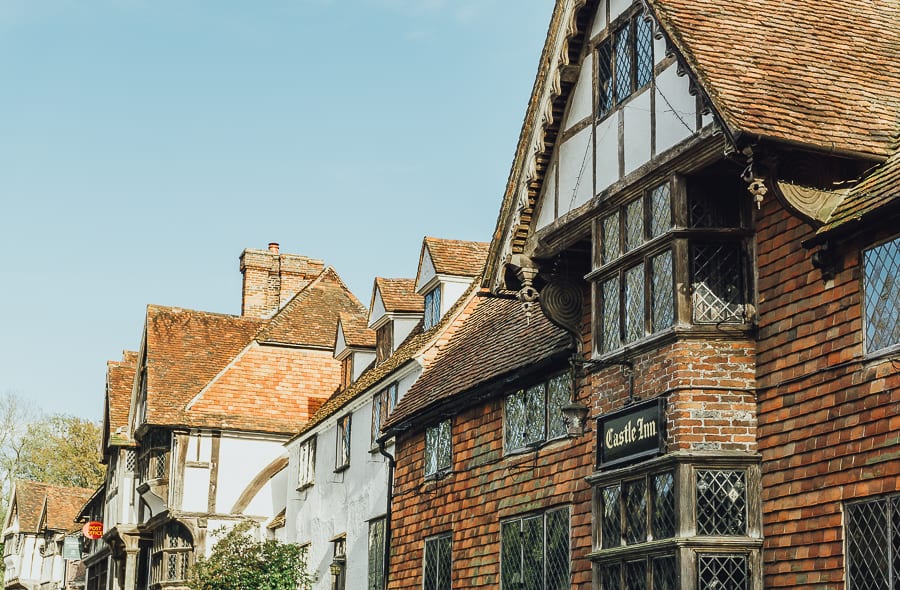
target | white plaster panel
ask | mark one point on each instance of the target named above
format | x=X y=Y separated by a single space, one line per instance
x=235 y=455
x=426 y=270
x=402 y=328
x=659 y=46
x=581 y=104
x=707 y=119
x=361 y=360
x=607 y=152
x=340 y=343
x=452 y=292
x=617 y=7
x=547 y=206
x=377 y=310
x=675 y=109
x=637 y=131
x=196 y=489
x=575 y=172
x=599 y=19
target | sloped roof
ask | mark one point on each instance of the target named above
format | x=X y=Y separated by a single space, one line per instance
x=399 y=295
x=456 y=257
x=876 y=192
x=310 y=317
x=119 y=382
x=825 y=73
x=493 y=340
x=357 y=333
x=185 y=349
x=63 y=505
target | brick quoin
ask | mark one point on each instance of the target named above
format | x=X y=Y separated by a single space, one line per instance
x=828 y=418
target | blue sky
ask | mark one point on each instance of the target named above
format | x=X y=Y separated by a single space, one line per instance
x=145 y=143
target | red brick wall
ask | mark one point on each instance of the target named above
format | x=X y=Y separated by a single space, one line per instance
x=487 y=487
x=829 y=422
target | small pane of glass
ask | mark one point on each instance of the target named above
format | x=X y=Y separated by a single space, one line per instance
x=635 y=497
x=510 y=555
x=535 y=413
x=623 y=63
x=533 y=553
x=634 y=224
x=721 y=503
x=662 y=290
x=664 y=574
x=515 y=421
x=634 y=303
x=611 y=527
x=604 y=59
x=662 y=515
x=610 y=238
x=610 y=338
x=559 y=392
x=636 y=575
x=867 y=532
x=558 y=550
x=643 y=50
x=882 y=305
x=437 y=563
x=660 y=210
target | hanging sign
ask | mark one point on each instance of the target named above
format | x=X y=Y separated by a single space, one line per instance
x=92 y=530
x=72 y=548
x=634 y=432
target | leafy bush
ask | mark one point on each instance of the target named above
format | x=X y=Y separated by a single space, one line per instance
x=240 y=562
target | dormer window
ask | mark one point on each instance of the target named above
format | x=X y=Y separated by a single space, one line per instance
x=432 y=307
x=384 y=342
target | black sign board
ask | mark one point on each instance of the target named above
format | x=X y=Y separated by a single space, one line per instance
x=634 y=432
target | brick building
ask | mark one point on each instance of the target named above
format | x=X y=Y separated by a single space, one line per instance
x=705 y=202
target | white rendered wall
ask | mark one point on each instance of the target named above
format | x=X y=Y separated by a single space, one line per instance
x=426 y=271
x=453 y=290
x=240 y=460
x=402 y=328
x=341 y=503
x=361 y=360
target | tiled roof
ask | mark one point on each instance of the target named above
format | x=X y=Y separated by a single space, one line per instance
x=399 y=295
x=876 y=192
x=119 y=382
x=357 y=333
x=457 y=257
x=825 y=73
x=414 y=344
x=185 y=350
x=494 y=339
x=63 y=504
x=310 y=318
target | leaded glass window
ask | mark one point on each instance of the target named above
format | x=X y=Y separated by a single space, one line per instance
x=638 y=510
x=716 y=572
x=721 y=502
x=534 y=414
x=433 y=307
x=438 y=454
x=171 y=553
x=534 y=551
x=376 y=554
x=634 y=303
x=634 y=224
x=660 y=210
x=645 y=573
x=872 y=535
x=718 y=283
x=610 y=238
x=306 y=463
x=437 y=563
x=882 y=305
x=382 y=405
x=342 y=443
x=625 y=62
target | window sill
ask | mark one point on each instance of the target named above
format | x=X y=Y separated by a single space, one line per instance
x=882 y=354
x=342 y=468
x=305 y=486
x=669 y=335
x=439 y=475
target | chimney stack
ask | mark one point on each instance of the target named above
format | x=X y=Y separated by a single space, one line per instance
x=271 y=279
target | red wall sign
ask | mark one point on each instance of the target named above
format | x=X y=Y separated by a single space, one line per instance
x=92 y=530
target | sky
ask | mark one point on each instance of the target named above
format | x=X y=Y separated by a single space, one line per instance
x=144 y=144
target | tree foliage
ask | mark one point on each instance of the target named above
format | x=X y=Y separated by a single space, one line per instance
x=240 y=562
x=62 y=450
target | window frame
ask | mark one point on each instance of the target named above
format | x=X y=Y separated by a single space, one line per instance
x=377 y=554
x=439 y=431
x=891 y=541
x=383 y=403
x=343 y=432
x=865 y=287
x=546 y=437
x=384 y=342
x=306 y=463
x=432 y=307
x=606 y=53
x=543 y=515
x=437 y=541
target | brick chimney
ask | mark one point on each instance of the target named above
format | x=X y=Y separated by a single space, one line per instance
x=272 y=278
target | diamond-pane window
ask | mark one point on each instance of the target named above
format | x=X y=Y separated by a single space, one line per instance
x=534 y=415
x=721 y=503
x=611 y=527
x=437 y=563
x=438 y=455
x=534 y=552
x=605 y=87
x=718 y=572
x=623 y=62
x=634 y=303
x=717 y=283
x=662 y=292
x=376 y=554
x=664 y=575
x=636 y=575
x=634 y=224
x=611 y=576
x=872 y=536
x=610 y=238
x=660 y=210
x=882 y=304
x=662 y=498
x=610 y=321
x=643 y=49
x=656 y=573
x=635 y=500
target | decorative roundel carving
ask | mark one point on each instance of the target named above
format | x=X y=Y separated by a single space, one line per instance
x=562 y=304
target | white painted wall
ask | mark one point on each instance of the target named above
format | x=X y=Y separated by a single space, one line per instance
x=341 y=503
x=241 y=458
x=426 y=271
x=361 y=360
x=453 y=287
x=402 y=327
x=581 y=104
x=377 y=312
